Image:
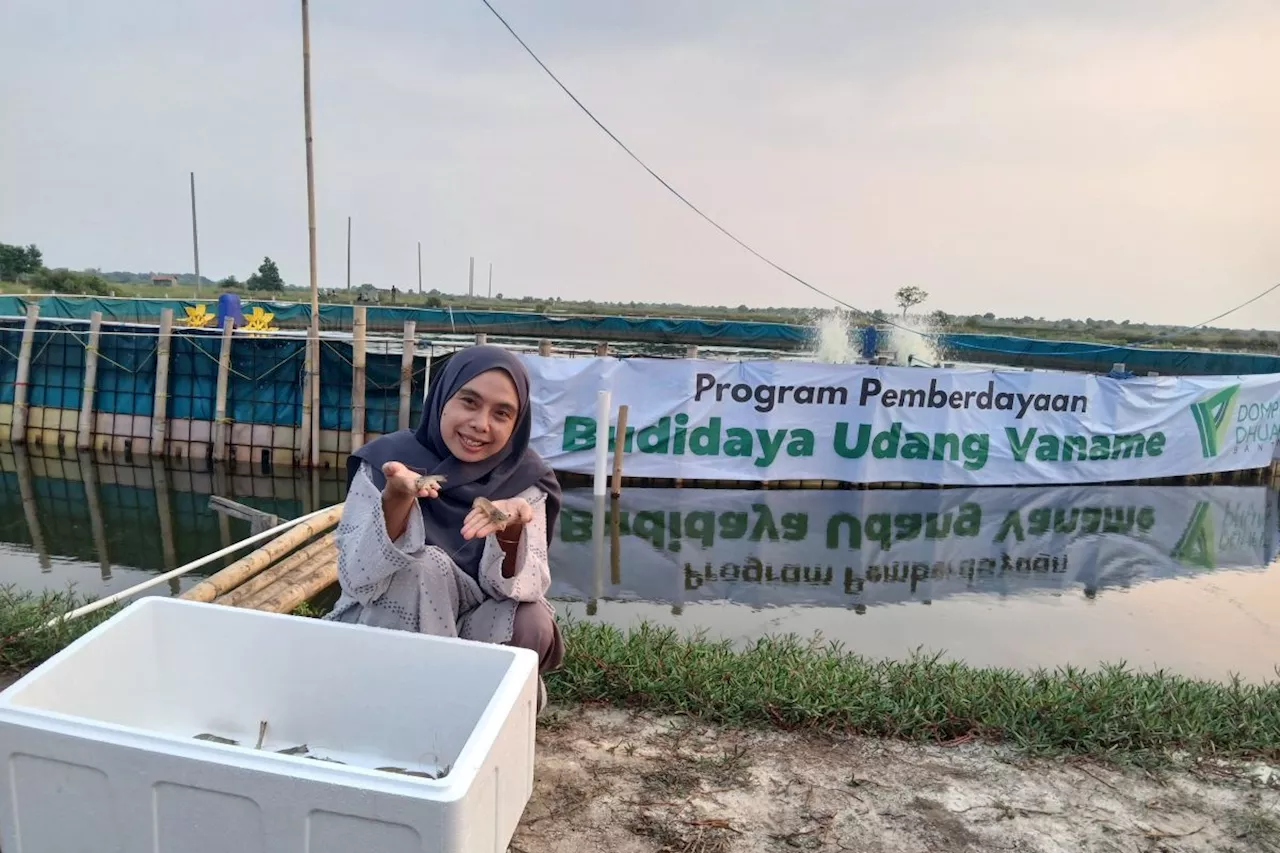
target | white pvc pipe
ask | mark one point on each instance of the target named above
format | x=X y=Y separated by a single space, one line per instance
x=181 y=570
x=602 y=442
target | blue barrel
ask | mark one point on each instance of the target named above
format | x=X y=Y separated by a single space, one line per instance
x=229 y=306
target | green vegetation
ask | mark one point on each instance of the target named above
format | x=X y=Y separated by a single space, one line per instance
x=24 y=640
x=1110 y=713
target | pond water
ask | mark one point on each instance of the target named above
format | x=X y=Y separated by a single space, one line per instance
x=1179 y=577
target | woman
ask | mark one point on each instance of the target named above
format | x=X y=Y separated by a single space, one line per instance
x=426 y=559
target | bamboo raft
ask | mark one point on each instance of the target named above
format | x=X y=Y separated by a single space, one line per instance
x=295 y=567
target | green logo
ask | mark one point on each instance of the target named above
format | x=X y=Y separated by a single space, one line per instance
x=1195 y=547
x=1212 y=416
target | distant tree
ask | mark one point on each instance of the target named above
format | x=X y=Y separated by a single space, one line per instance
x=230 y=283
x=909 y=296
x=988 y=316
x=68 y=281
x=940 y=319
x=17 y=261
x=266 y=278
x=435 y=302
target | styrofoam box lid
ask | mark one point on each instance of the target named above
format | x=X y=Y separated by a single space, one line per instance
x=164 y=669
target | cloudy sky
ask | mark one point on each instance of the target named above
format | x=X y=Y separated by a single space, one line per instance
x=1090 y=158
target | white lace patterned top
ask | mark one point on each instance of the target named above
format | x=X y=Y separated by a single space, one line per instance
x=414 y=586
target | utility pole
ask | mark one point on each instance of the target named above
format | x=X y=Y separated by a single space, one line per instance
x=419 y=267
x=471 y=279
x=348 y=253
x=313 y=333
x=490 y=279
x=195 y=233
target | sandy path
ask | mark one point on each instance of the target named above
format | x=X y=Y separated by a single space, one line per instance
x=621 y=783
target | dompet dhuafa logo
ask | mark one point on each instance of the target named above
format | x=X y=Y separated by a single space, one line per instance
x=1213 y=419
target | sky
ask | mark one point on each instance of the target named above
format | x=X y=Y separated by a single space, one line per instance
x=1114 y=160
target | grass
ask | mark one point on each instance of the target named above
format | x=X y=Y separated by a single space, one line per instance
x=1111 y=713
x=24 y=640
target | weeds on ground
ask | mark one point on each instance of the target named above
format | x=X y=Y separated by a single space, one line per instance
x=26 y=640
x=1111 y=713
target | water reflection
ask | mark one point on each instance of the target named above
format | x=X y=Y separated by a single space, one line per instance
x=104 y=525
x=1157 y=576
x=856 y=549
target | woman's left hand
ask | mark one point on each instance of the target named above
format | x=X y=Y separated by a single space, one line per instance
x=477 y=523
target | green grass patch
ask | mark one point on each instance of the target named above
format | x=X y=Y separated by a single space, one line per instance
x=1111 y=712
x=25 y=642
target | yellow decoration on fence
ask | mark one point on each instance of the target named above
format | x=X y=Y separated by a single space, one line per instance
x=199 y=317
x=259 y=321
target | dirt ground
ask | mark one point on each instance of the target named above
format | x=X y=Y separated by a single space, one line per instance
x=611 y=781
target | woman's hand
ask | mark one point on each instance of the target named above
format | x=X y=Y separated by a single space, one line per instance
x=401 y=483
x=478 y=524
x=400 y=496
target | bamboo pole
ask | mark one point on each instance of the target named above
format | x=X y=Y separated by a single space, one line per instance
x=481 y=339
x=304 y=428
x=544 y=348
x=182 y=570
x=220 y=424
x=254 y=562
x=160 y=409
x=272 y=573
x=358 y=326
x=315 y=398
x=18 y=432
x=290 y=591
x=619 y=448
x=84 y=436
x=406 y=374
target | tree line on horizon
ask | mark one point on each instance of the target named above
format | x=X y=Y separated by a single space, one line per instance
x=25 y=265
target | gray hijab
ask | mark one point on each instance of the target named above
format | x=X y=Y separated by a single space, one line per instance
x=505 y=474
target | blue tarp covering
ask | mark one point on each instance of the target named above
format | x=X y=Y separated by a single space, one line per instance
x=1098 y=358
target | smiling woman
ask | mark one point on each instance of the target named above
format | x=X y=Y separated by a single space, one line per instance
x=445 y=530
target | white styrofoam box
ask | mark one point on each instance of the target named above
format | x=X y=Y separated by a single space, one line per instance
x=99 y=757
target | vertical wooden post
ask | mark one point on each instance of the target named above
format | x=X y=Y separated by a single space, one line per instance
x=602 y=348
x=426 y=376
x=358 y=321
x=315 y=396
x=481 y=338
x=544 y=348
x=84 y=436
x=619 y=447
x=18 y=433
x=220 y=401
x=406 y=373
x=304 y=428
x=691 y=351
x=160 y=409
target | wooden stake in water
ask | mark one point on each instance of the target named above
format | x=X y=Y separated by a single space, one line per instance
x=312 y=391
x=220 y=423
x=619 y=448
x=84 y=436
x=406 y=374
x=160 y=408
x=18 y=432
x=358 y=325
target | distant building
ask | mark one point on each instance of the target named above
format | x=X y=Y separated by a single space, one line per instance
x=164 y=280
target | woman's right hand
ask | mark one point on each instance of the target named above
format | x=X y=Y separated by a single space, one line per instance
x=401 y=480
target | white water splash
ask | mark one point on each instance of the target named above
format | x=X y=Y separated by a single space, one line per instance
x=916 y=345
x=837 y=341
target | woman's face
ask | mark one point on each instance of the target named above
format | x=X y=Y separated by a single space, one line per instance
x=478 y=420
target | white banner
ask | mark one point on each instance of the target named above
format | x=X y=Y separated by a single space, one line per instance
x=875 y=546
x=777 y=420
